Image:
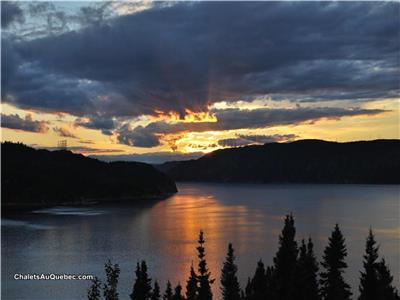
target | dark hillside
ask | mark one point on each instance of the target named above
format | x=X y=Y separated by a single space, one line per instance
x=305 y=161
x=41 y=177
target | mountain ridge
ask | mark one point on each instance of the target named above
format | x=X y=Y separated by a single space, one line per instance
x=302 y=161
x=38 y=177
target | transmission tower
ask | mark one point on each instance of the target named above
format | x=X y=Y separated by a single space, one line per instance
x=62 y=145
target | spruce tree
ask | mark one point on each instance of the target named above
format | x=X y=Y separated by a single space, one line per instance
x=306 y=283
x=230 y=287
x=285 y=261
x=155 y=295
x=386 y=290
x=259 y=283
x=269 y=273
x=178 y=293
x=248 y=291
x=168 y=292
x=110 y=287
x=191 y=285
x=94 y=292
x=369 y=278
x=203 y=276
x=333 y=286
x=142 y=286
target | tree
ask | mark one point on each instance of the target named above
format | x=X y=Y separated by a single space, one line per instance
x=230 y=287
x=285 y=261
x=191 y=285
x=257 y=288
x=178 y=293
x=269 y=273
x=110 y=287
x=306 y=283
x=203 y=277
x=248 y=291
x=333 y=286
x=94 y=290
x=155 y=295
x=369 y=278
x=168 y=292
x=386 y=290
x=142 y=286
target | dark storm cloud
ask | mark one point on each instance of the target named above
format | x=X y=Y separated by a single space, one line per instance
x=146 y=137
x=230 y=119
x=104 y=124
x=28 y=85
x=243 y=140
x=27 y=124
x=189 y=55
x=10 y=12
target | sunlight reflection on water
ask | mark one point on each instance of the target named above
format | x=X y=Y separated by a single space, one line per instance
x=80 y=240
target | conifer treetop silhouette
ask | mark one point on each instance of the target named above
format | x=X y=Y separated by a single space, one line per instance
x=203 y=274
x=168 y=291
x=333 y=285
x=178 y=293
x=142 y=286
x=306 y=282
x=285 y=260
x=230 y=287
x=156 y=294
x=191 y=285
x=375 y=280
x=94 y=292
x=110 y=287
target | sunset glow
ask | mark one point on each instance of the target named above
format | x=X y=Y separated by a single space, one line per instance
x=175 y=101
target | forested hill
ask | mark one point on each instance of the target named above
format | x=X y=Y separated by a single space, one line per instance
x=42 y=177
x=304 y=161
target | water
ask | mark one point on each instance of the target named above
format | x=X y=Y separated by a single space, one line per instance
x=79 y=240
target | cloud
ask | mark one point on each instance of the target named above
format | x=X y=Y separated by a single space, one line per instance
x=190 y=55
x=140 y=136
x=151 y=158
x=106 y=125
x=230 y=119
x=64 y=132
x=27 y=124
x=244 y=140
x=86 y=142
x=10 y=12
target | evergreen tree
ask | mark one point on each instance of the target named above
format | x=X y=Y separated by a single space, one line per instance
x=203 y=276
x=386 y=290
x=142 y=287
x=259 y=283
x=110 y=287
x=285 y=261
x=191 y=285
x=242 y=295
x=155 y=295
x=369 y=278
x=333 y=286
x=306 y=283
x=269 y=273
x=248 y=290
x=229 y=282
x=168 y=292
x=94 y=290
x=178 y=293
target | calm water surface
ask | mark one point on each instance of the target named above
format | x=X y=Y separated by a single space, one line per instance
x=79 y=240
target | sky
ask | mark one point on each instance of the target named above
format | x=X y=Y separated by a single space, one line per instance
x=158 y=81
